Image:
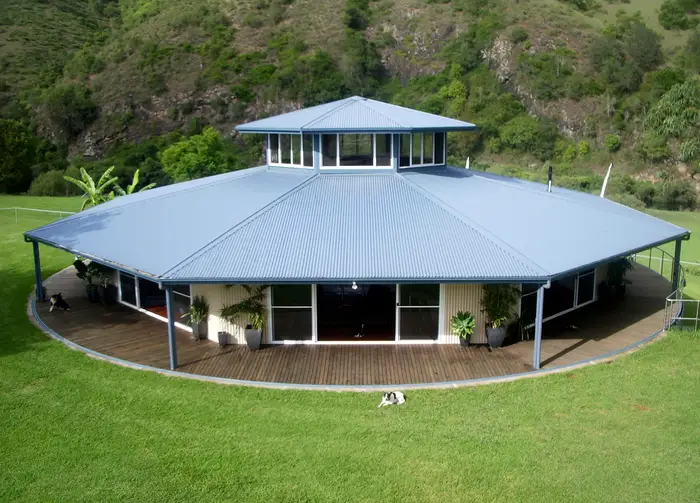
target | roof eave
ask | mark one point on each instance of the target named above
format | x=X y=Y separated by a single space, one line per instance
x=426 y=129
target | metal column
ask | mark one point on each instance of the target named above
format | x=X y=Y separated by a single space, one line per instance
x=538 y=328
x=169 y=301
x=37 y=273
x=675 y=279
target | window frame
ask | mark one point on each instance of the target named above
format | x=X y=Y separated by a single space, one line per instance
x=374 y=166
x=400 y=306
x=271 y=316
x=422 y=153
x=137 y=306
x=292 y=155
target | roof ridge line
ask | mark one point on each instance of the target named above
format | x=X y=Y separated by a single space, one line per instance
x=380 y=113
x=345 y=103
x=415 y=110
x=478 y=228
x=214 y=242
x=80 y=215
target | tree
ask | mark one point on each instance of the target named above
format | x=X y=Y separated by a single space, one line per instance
x=672 y=15
x=643 y=46
x=677 y=113
x=612 y=143
x=16 y=156
x=68 y=109
x=95 y=193
x=198 y=156
x=132 y=186
x=531 y=135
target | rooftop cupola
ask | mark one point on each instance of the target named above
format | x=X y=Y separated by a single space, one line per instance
x=356 y=133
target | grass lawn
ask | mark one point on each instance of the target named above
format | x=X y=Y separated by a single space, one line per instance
x=76 y=429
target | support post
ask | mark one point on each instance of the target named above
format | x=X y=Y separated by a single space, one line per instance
x=538 y=328
x=169 y=301
x=676 y=277
x=37 y=273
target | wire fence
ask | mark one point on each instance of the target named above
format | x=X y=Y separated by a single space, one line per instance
x=17 y=211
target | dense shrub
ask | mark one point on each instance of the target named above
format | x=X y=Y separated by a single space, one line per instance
x=672 y=15
x=16 y=156
x=69 y=109
x=653 y=147
x=628 y=200
x=677 y=195
x=531 y=135
x=518 y=34
x=612 y=143
x=52 y=183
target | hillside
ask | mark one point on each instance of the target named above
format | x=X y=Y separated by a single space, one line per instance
x=562 y=82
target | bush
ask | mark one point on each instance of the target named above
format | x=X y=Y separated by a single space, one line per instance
x=17 y=152
x=677 y=195
x=518 y=34
x=672 y=15
x=531 y=135
x=52 y=183
x=69 y=109
x=628 y=200
x=653 y=147
x=612 y=143
x=584 y=148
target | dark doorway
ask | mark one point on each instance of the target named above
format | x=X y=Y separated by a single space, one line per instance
x=364 y=313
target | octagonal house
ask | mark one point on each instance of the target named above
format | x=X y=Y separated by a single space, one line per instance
x=363 y=233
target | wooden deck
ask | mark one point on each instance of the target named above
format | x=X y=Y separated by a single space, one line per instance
x=129 y=335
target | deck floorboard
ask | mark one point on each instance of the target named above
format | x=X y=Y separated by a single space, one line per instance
x=124 y=333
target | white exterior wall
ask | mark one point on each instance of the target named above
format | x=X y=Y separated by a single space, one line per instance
x=462 y=297
x=219 y=296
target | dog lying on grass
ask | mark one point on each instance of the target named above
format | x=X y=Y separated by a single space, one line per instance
x=58 y=302
x=392 y=398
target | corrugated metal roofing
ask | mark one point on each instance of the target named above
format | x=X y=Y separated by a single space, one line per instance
x=153 y=231
x=354 y=114
x=355 y=227
x=559 y=231
x=272 y=225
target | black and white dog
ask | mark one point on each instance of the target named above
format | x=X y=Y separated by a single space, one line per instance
x=57 y=301
x=392 y=398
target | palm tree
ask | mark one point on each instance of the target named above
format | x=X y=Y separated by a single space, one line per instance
x=130 y=188
x=95 y=193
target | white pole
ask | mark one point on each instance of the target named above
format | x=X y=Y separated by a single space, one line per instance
x=605 y=182
x=467 y=166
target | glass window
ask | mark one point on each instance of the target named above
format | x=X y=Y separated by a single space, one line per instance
x=182 y=289
x=329 y=149
x=427 y=148
x=274 y=148
x=559 y=297
x=152 y=297
x=383 y=149
x=127 y=283
x=420 y=295
x=405 y=150
x=439 y=148
x=356 y=150
x=586 y=287
x=308 y=150
x=291 y=312
x=528 y=307
x=181 y=305
x=419 y=323
x=292 y=324
x=296 y=149
x=291 y=295
x=286 y=148
x=416 y=154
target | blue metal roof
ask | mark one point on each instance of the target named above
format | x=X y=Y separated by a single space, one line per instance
x=355 y=114
x=284 y=224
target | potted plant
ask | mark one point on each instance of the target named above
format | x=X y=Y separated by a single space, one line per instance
x=89 y=272
x=253 y=309
x=462 y=325
x=497 y=302
x=615 y=285
x=198 y=315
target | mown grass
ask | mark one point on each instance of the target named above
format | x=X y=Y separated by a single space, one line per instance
x=76 y=429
